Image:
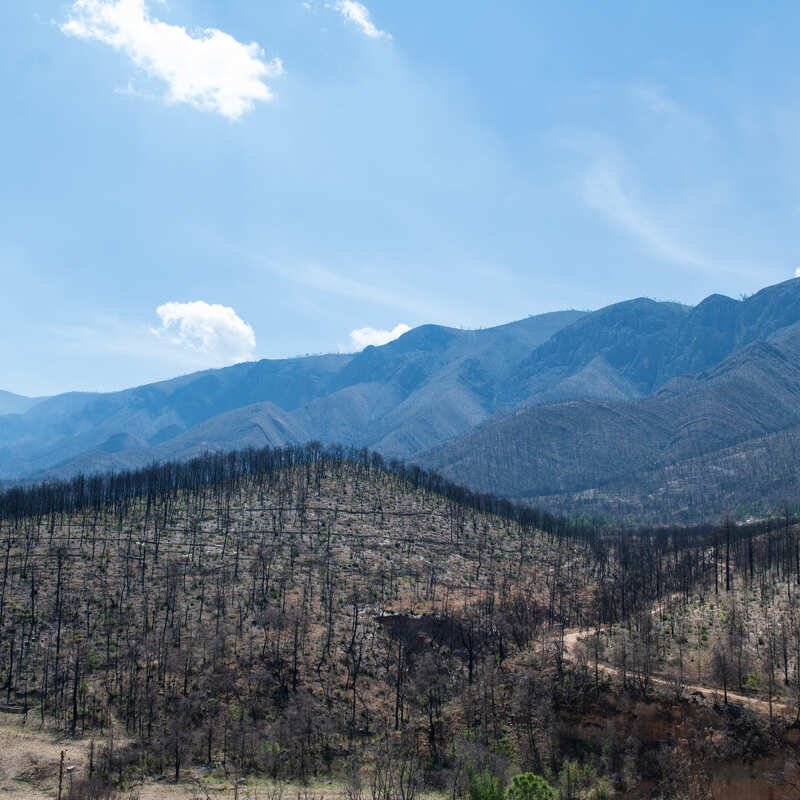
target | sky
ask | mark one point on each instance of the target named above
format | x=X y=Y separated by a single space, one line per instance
x=192 y=183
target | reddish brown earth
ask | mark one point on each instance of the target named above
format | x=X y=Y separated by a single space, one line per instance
x=679 y=726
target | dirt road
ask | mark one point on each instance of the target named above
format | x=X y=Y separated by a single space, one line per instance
x=572 y=640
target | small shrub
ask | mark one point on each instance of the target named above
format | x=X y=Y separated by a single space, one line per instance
x=752 y=682
x=529 y=786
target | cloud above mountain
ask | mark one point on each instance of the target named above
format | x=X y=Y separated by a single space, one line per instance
x=364 y=337
x=208 y=68
x=359 y=15
x=213 y=331
x=604 y=190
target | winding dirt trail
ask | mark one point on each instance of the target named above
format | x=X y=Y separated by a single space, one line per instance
x=573 y=638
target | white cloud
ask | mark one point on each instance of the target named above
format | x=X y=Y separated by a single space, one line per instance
x=207 y=69
x=603 y=190
x=358 y=13
x=364 y=337
x=797 y=273
x=215 y=332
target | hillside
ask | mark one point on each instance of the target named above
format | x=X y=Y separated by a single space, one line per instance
x=85 y=426
x=690 y=450
x=631 y=349
x=302 y=614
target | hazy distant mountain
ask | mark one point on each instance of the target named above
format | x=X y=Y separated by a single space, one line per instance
x=643 y=408
x=15 y=403
x=429 y=385
x=432 y=383
x=73 y=426
x=630 y=349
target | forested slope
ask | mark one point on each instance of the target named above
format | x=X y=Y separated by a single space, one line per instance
x=706 y=445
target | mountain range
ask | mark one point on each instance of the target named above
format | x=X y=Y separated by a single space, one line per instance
x=643 y=409
x=430 y=385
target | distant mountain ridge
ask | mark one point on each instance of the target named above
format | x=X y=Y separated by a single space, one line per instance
x=391 y=398
x=620 y=411
x=11 y=403
x=694 y=448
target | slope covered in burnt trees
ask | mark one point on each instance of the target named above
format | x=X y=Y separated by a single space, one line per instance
x=296 y=612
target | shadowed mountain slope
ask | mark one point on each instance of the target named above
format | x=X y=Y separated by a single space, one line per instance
x=616 y=457
x=630 y=349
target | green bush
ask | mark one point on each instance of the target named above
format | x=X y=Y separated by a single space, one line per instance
x=484 y=786
x=529 y=786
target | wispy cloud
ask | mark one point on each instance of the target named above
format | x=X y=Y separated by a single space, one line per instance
x=603 y=190
x=657 y=102
x=326 y=280
x=359 y=15
x=364 y=337
x=654 y=98
x=212 y=331
x=797 y=273
x=401 y=298
x=208 y=69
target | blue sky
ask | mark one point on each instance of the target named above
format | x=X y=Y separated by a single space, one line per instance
x=193 y=182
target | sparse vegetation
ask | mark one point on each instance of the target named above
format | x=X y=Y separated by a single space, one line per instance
x=309 y=614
